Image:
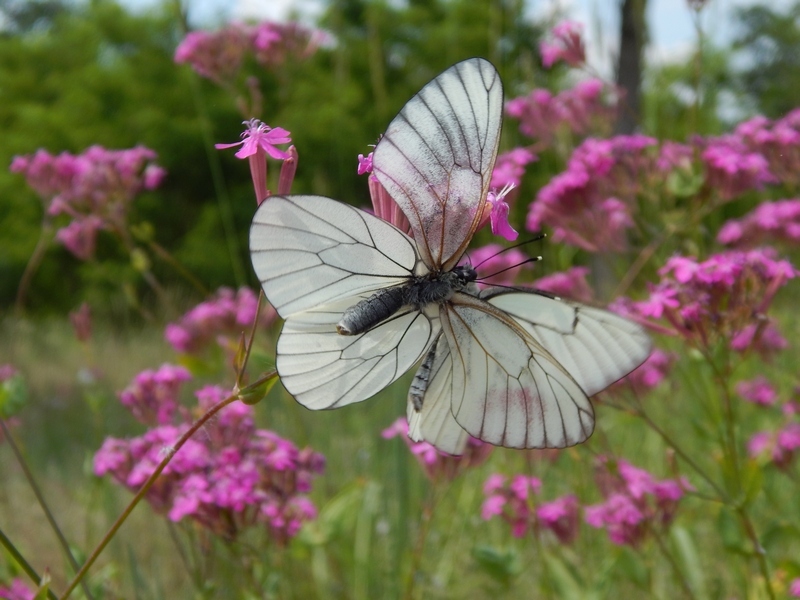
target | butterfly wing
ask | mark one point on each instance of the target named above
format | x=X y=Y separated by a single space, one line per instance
x=315 y=258
x=437 y=155
x=510 y=389
x=428 y=413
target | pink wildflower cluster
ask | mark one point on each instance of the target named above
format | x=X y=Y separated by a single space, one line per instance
x=221 y=318
x=94 y=189
x=514 y=501
x=588 y=107
x=635 y=502
x=230 y=478
x=17 y=590
x=567 y=45
x=778 y=142
x=779 y=446
x=732 y=168
x=590 y=204
x=768 y=222
x=510 y=167
x=436 y=464
x=153 y=396
x=725 y=296
x=794 y=588
x=219 y=55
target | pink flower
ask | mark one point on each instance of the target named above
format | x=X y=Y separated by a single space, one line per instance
x=510 y=168
x=364 y=163
x=768 y=223
x=757 y=391
x=561 y=517
x=651 y=373
x=153 y=395
x=18 y=590
x=570 y=284
x=499 y=214
x=567 y=46
x=260 y=137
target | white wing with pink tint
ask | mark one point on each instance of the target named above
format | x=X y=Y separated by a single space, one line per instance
x=437 y=155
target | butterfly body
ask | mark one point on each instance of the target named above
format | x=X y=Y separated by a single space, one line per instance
x=363 y=302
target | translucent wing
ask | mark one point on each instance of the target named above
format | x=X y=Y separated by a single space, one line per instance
x=309 y=251
x=428 y=413
x=595 y=346
x=437 y=155
x=524 y=365
x=315 y=258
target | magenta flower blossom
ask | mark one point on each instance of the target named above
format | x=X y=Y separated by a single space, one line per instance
x=720 y=297
x=260 y=137
x=510 y=168
x=732 y=169
x=153 y=396
x=779 y=447
x=219 y=55
x=561 y=516
x=634 y=502
x=437 y=464
x=221 y=318
x=589 y=205
x=589 y=107
x=232 y=477
x=758 y=391
x=94 y=190
x=570 y=284
x=778 y=142
x=512 y=501
x=794 y=588
x=18 y=590
x=499 y=214
x=567 y=45
x=650 y=373
x=768 y=223
x=364 y=163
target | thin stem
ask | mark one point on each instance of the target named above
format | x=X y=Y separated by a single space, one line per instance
x=757 y=548
x=20 y=560
x=42 y=503
x=33 y=264
x=151 y=480
x=165 y=255
x=252 y=337
x=671 y=560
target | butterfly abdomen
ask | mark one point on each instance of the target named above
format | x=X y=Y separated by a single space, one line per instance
x=370 y=311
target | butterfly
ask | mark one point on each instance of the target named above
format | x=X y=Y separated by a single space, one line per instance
x=363 y=302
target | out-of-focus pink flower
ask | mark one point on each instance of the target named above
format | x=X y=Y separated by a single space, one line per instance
x=779 y=446
x=81 y=320
x=732 y=169
x=650 y=373
x=769 y=222
x=570 y=284
x=757 y=391
x=561 y=516
x=763 y=338
x=567 y=45
x=794 y=588
x=510 y=168
x=18 y=590
x=221 y=318
x=589 y=205
x=512 y=501
x=436 y=464
x=634 y=502
x=152 y=397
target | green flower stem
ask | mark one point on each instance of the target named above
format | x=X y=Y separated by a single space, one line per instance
x=40 y=499
x=45 y=237
x=20 y=560
x=151 y=480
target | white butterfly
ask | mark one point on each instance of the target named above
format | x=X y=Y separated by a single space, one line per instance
x=363 y=302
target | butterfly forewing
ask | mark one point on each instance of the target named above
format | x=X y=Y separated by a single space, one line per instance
x=315 y=258
x=437 y=155
x=309 y=251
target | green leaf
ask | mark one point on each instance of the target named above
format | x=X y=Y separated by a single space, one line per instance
x=13 y=396
x=502 y=565
x=690 y=561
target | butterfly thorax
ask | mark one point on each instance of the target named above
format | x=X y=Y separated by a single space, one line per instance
x=417 y=293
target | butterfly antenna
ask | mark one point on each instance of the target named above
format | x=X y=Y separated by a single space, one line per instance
x=536 y=238
x=525 y=262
